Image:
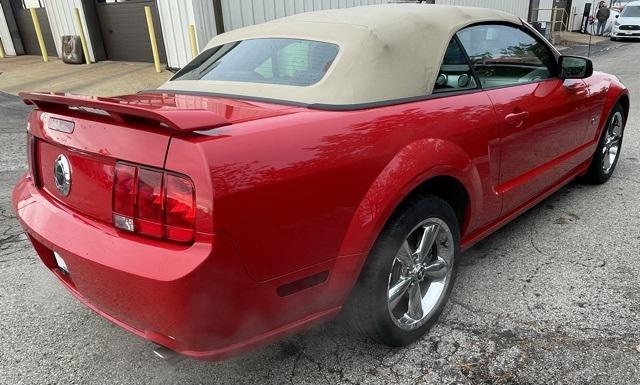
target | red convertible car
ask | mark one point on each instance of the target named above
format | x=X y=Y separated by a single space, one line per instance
x=329 y=161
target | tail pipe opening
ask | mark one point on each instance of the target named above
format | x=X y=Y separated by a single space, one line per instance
x=168 y=355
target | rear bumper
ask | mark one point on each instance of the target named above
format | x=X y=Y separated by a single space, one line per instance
x=197 y=300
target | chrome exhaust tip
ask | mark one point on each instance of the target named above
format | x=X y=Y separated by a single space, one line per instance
x=168 y=355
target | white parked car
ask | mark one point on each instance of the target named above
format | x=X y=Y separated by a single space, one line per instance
x=627 y=24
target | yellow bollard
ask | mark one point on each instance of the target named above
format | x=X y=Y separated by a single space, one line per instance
x=1 y=50
x=152 y=36
x=83 y=40
x=36 y=25
x=192 y=37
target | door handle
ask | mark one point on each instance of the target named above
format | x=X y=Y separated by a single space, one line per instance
x=516 y=118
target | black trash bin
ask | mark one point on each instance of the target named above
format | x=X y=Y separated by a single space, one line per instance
x=72 y=50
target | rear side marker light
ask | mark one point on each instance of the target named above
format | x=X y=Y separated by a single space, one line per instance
x=154 y=203
x=31 y=153
x=303 y=283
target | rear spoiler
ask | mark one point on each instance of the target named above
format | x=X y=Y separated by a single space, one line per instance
x=123 y=109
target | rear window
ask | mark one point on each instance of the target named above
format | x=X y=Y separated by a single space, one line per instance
x=292 y=62
x=631 y=11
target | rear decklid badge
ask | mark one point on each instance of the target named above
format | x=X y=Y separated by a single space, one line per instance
x=62 y=174
x=61 y=125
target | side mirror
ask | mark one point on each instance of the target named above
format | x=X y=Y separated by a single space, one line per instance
x=575 y=67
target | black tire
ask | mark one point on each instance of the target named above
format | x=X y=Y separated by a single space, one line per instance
x=596 y=173
x=367 y=311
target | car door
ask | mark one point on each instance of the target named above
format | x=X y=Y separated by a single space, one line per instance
x=465 y=112
x=542 y=119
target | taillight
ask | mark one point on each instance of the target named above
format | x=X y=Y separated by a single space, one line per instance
x=124 y=190
x=154 y=203
x=150 y=200
x=180 y=212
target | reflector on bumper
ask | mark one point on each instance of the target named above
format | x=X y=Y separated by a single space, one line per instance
x=61 y=263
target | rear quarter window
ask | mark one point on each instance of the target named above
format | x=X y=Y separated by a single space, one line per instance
x=293 y=62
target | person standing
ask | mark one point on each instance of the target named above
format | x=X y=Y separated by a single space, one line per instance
x=602 y=16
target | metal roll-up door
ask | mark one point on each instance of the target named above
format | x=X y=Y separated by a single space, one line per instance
x=124 y=30
x=27 y=31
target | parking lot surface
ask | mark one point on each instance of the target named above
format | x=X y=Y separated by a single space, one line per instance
x=552 y=298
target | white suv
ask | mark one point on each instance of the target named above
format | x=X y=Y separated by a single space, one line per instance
x=627 y=24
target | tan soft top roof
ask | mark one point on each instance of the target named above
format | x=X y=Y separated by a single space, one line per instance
x=387 y=52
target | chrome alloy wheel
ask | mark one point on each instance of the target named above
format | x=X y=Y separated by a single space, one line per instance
x=612 y=141
x=420 y=274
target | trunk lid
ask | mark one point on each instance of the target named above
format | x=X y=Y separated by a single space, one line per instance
x=93 y=133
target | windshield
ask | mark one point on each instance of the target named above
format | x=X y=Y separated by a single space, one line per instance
x=291 y=62
x=630 y=11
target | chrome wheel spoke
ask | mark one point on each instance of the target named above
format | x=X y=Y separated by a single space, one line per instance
x=616 y=131
x=616 y=126
x=606 y=161
x=396 y=292
x=415 y=310
x=426 y=242
x=437 y=270
x=405 y=255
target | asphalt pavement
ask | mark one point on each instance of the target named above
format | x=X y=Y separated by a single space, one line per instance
x=552 y=298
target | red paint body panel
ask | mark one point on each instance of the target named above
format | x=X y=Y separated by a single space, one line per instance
x=92 y=177
x=283 y=193
x=556 y=124
x=309 y=172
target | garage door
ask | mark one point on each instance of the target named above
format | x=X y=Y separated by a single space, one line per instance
x=124 y=30
x=26 y=29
